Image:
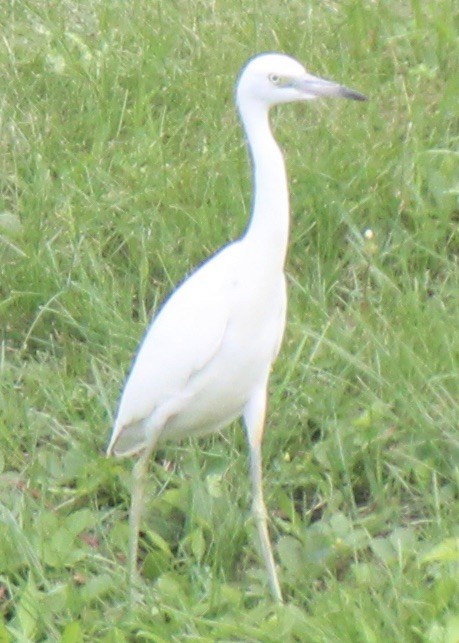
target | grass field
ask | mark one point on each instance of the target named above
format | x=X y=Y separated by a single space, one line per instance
x=122 y=166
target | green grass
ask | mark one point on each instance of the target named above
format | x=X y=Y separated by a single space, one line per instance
x=122 y=166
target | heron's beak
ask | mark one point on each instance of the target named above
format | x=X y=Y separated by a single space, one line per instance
x=315 y=86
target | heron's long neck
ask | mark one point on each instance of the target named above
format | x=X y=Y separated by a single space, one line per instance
x=269 y=225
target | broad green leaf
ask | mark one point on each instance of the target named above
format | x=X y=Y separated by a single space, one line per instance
x=72 y=633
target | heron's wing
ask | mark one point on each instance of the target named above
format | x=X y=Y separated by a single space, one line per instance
x=182 y=339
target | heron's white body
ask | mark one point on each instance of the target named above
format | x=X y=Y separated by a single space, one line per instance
x=207 y=356
x=208 y=350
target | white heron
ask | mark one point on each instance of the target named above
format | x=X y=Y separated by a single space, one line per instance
x=207 y=355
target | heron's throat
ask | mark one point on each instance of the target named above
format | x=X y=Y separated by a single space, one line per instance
x=269 y=225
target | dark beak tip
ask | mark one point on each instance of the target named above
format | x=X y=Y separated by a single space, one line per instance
x=352 y=95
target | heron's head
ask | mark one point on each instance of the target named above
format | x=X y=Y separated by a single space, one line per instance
x=272 y=78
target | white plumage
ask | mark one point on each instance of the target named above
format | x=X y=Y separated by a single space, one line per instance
x=207 y=355
x=215 y=335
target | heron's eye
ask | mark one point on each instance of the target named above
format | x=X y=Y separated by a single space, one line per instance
x=275 y=79
x=280 y=81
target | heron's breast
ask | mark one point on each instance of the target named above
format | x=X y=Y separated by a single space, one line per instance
x=218 y=393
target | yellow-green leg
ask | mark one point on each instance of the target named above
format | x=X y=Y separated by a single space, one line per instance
x=139 y=479
x=254 y=418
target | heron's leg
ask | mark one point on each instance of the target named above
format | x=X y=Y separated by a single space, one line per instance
x=254 y=418
x=139 y=479
x=139 y=476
